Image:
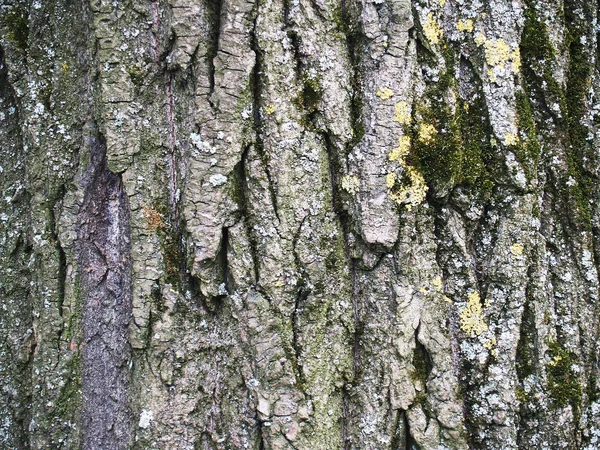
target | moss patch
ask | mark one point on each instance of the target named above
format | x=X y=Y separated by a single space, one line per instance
x=16 y=23
x=457 y=152
x=563 y=384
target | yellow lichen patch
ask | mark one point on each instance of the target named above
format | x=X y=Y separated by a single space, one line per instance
x=555 y=360
x=402 y=113
x=516 y=249
x=511 y=139
x=401 y=152
x=412 y=193
x=479 y=39
x=351 y=184
x=427 y=133
x=515 y=58
x=471 y=317
x=442 y=3
x=437 y=284
x=432 y=30
x=465 y=25
x=269 y=109
x=490 y=344
x=497 y=52
x=447 y=299
x=390 y=180
x=423 y=290
x=492 y=75
x=385 y=93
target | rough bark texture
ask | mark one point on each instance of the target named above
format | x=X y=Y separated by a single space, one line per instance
x=299 y=224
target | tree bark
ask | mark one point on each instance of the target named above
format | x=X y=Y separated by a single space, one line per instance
x=299 y=224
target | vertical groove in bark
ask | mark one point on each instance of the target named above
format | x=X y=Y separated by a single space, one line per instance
x=104 y=263
x=17 y=342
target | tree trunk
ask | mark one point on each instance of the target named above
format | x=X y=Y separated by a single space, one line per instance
x=299 y=224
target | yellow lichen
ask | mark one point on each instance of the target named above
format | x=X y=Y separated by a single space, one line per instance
x=497 y=52
x=447 y=299
x=437 y=284
x=390 y=180
x=489 y=343
x=423 y=290
x=492 y=75
x=413 y=192
x=471 y=317
x=427 y=133
x=351 y=184
x=479 y=39
x=402 y=113
x=385 y=93
x=269 y=109
x=555 y=360
x=516 y=249
x=465 y=25
x=442 y=3
x=432 y=30
x=511 y=139
x=401 y=152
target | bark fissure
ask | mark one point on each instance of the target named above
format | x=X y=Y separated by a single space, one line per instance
x=217 y=7
x=106 y=281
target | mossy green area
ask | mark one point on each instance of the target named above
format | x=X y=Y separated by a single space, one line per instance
x=540 y=87
x=580 y=151
x=15 y=22
x=528 y=150
x=459 y=151
x=563 y=385
x=309 y=98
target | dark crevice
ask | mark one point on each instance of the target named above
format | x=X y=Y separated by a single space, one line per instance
x=172 y=162
x=255 y=81
x=421 y=361
x=302 y=295
x=62 y=259
x=222 y=258
x=215 y=11
x=410 y=443
x=242 y=200
x=105 y=276
x=261 y=440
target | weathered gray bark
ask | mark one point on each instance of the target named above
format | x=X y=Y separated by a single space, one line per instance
x=310 y=224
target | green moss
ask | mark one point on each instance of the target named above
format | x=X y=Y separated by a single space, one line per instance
x=310 y=96
x=578 y=85
x=421 y=363
x=563 y=385
x=137 y=75
x=457 y=152
x=522 y=396
x=538 y=54
x=528 y=150
x=15 y=21
x=541 y=87
x=73 y=325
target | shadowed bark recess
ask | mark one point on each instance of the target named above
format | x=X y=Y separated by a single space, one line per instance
x=105 y=274
x=299 y=224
